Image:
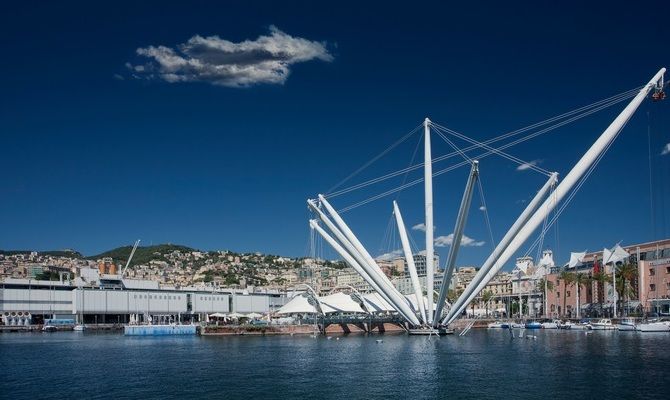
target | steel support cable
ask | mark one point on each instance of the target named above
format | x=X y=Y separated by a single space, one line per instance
x=597 y=106
x=574 y=191
x=450 y=143
x=462 y=163
x=377 y=157
x=514 y=159
x=486 y=212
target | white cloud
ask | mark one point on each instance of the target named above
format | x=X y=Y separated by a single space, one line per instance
x=482 y=208
x=666 y=150
x=268 y=59
x=421 y=227
x=528 y=165
x=444 y=241
x=389 y=256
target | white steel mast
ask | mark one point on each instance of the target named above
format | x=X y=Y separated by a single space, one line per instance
x=456 y=240
x=411 y=267
x=428 y=191
x=474 y=286
x=582 y=166
x=356 y=249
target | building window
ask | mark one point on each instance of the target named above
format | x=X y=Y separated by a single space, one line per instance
x=567 y=294
x=667 y=270
x=652 y=272
x=558 y=295
x=652 y=287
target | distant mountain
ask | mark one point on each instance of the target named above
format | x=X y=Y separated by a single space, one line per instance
x=54 y=253
x=143 y=254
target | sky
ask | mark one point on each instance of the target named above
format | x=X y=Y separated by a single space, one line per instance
x=209 y=125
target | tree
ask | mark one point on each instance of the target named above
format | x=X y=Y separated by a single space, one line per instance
x=568 y=278
x=487 y=295
x=601 y=278
x=544 y=288
x=626 y=273
x=581 y=279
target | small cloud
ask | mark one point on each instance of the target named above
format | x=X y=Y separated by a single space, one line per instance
x=267 y=59
x=482 y=208
x=444 y=241
x=666 y=150
x=389 y=256
x=421 y=227
x=528 y=165
x=119 y=77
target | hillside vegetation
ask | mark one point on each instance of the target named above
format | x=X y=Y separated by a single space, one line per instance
x=143 y=254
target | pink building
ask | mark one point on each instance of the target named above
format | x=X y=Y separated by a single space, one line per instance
x=650 y=289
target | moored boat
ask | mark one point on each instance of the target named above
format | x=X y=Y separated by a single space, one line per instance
x=498 y=325
x=653 y=326
x=565 y=325
x=626 y=324
x=533 y=325
x=551 y=324
x=604 y=324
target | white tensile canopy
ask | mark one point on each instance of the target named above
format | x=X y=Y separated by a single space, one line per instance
x=376 y=303
x=340 y=302
x=218 y=315
x=615 y=255
x=576 y=259
x=254 y=315
x=298 y=305
x=412 y=302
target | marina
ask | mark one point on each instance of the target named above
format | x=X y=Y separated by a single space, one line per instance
x=567 y=363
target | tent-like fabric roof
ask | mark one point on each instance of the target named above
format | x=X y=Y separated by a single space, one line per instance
x=411 y=299
x=339 y=302
x=298 y=305
x=376 y=303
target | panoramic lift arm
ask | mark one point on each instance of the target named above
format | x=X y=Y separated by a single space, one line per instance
x=575 y=174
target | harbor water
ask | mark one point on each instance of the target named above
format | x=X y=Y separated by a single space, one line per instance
x=485 y=364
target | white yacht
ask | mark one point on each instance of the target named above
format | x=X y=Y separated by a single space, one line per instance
x=604 y=324
x=626 y=324
x=653 y=326
x=551 y=324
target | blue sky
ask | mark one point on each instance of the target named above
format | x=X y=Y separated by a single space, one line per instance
x=97 y=152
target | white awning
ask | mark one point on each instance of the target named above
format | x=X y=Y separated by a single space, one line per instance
x=412 y=302
x=339 y=302
x=297 y=305
x=376 y=303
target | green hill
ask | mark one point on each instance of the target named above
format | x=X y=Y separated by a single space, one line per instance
x=143 y=254
x=55 y=253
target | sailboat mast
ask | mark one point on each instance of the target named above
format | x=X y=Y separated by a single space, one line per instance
x=428 y=193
